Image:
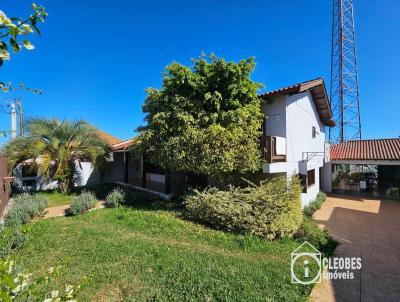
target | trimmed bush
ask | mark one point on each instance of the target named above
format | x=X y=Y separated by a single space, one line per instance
x=82 y=203
x=10 y=240
x=24 y=208
x=271 y=210
x=115 y=198
x=315 y=204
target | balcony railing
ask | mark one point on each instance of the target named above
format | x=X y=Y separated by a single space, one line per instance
x=270 y=151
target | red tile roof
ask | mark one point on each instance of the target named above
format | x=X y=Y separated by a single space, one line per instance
x=318 y=92
x=374 y=149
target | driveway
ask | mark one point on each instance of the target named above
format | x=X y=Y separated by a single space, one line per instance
x=366 y=228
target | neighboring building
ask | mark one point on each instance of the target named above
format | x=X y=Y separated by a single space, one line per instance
x=27 y=178
x=294 y=134
x=370 y=167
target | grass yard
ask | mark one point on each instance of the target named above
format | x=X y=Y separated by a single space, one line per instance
x=57 y=198
x=126 y=254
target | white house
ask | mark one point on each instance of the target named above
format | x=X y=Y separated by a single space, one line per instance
x=293 y=140
x=294 y=134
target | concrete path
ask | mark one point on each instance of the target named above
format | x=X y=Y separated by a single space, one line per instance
x=61 y=210
x=369 y=229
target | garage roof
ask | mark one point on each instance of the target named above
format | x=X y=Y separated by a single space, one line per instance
x=318 y=92
x=372 y=149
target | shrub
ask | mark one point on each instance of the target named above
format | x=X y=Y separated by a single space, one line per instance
x=315 y=204
x=319 y=238
x=270 y=210
x=312 y=233
x=10 y=239
x=82 y=203
x=24 y=208
x=115 y=198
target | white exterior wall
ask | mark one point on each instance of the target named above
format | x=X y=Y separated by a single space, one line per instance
x=301 y=116
x=41 y=183
x=275 y=124
x=297 y=117
x=85 y=174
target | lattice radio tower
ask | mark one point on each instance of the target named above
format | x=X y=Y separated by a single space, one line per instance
x=344 y=95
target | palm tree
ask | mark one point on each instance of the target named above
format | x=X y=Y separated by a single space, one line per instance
x=57 y=147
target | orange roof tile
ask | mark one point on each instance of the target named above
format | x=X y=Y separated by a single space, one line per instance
x=111 y=140
x=373 y=149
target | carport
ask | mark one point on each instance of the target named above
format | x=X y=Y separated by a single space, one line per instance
x=366 y=167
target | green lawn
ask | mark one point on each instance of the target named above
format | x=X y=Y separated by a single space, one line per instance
x=129 y=254
x=56 y=198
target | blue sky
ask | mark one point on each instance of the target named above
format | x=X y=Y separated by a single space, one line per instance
x=95 y=58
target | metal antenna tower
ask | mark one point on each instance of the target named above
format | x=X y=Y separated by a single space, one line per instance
x=344 y=95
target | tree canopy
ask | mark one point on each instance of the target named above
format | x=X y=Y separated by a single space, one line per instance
x=206 y=119
x=57 y=147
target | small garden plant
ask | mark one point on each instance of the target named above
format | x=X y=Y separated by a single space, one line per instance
x=11 y=238
x=314 y=205
x=16 y=285
x=24 y=208
x=115 y=198
x=82 y=203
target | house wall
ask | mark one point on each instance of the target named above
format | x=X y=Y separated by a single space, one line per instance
x=301 y=116
x=40 y=182
x=297 y=115
x=275 y=112
x=86 y=174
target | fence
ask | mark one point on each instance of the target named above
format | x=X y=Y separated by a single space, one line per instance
x=5 y=184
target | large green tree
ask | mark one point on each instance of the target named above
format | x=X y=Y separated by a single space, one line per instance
x=57 y=148
x=206 y=119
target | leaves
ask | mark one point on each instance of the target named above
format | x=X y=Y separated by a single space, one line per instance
x=270 y=210
x=28 y=45
x=205 y=119
x=12 y=28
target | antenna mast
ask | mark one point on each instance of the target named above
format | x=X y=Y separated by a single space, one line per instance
x=344 y=94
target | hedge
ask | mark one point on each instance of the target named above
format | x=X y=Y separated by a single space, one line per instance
x=270 y=210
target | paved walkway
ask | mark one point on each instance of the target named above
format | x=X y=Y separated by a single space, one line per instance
x=369 y=229
x=61 y=210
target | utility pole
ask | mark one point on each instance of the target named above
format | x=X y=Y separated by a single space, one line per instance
x=344 y=94
x=20 y=117
x=13 y=121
